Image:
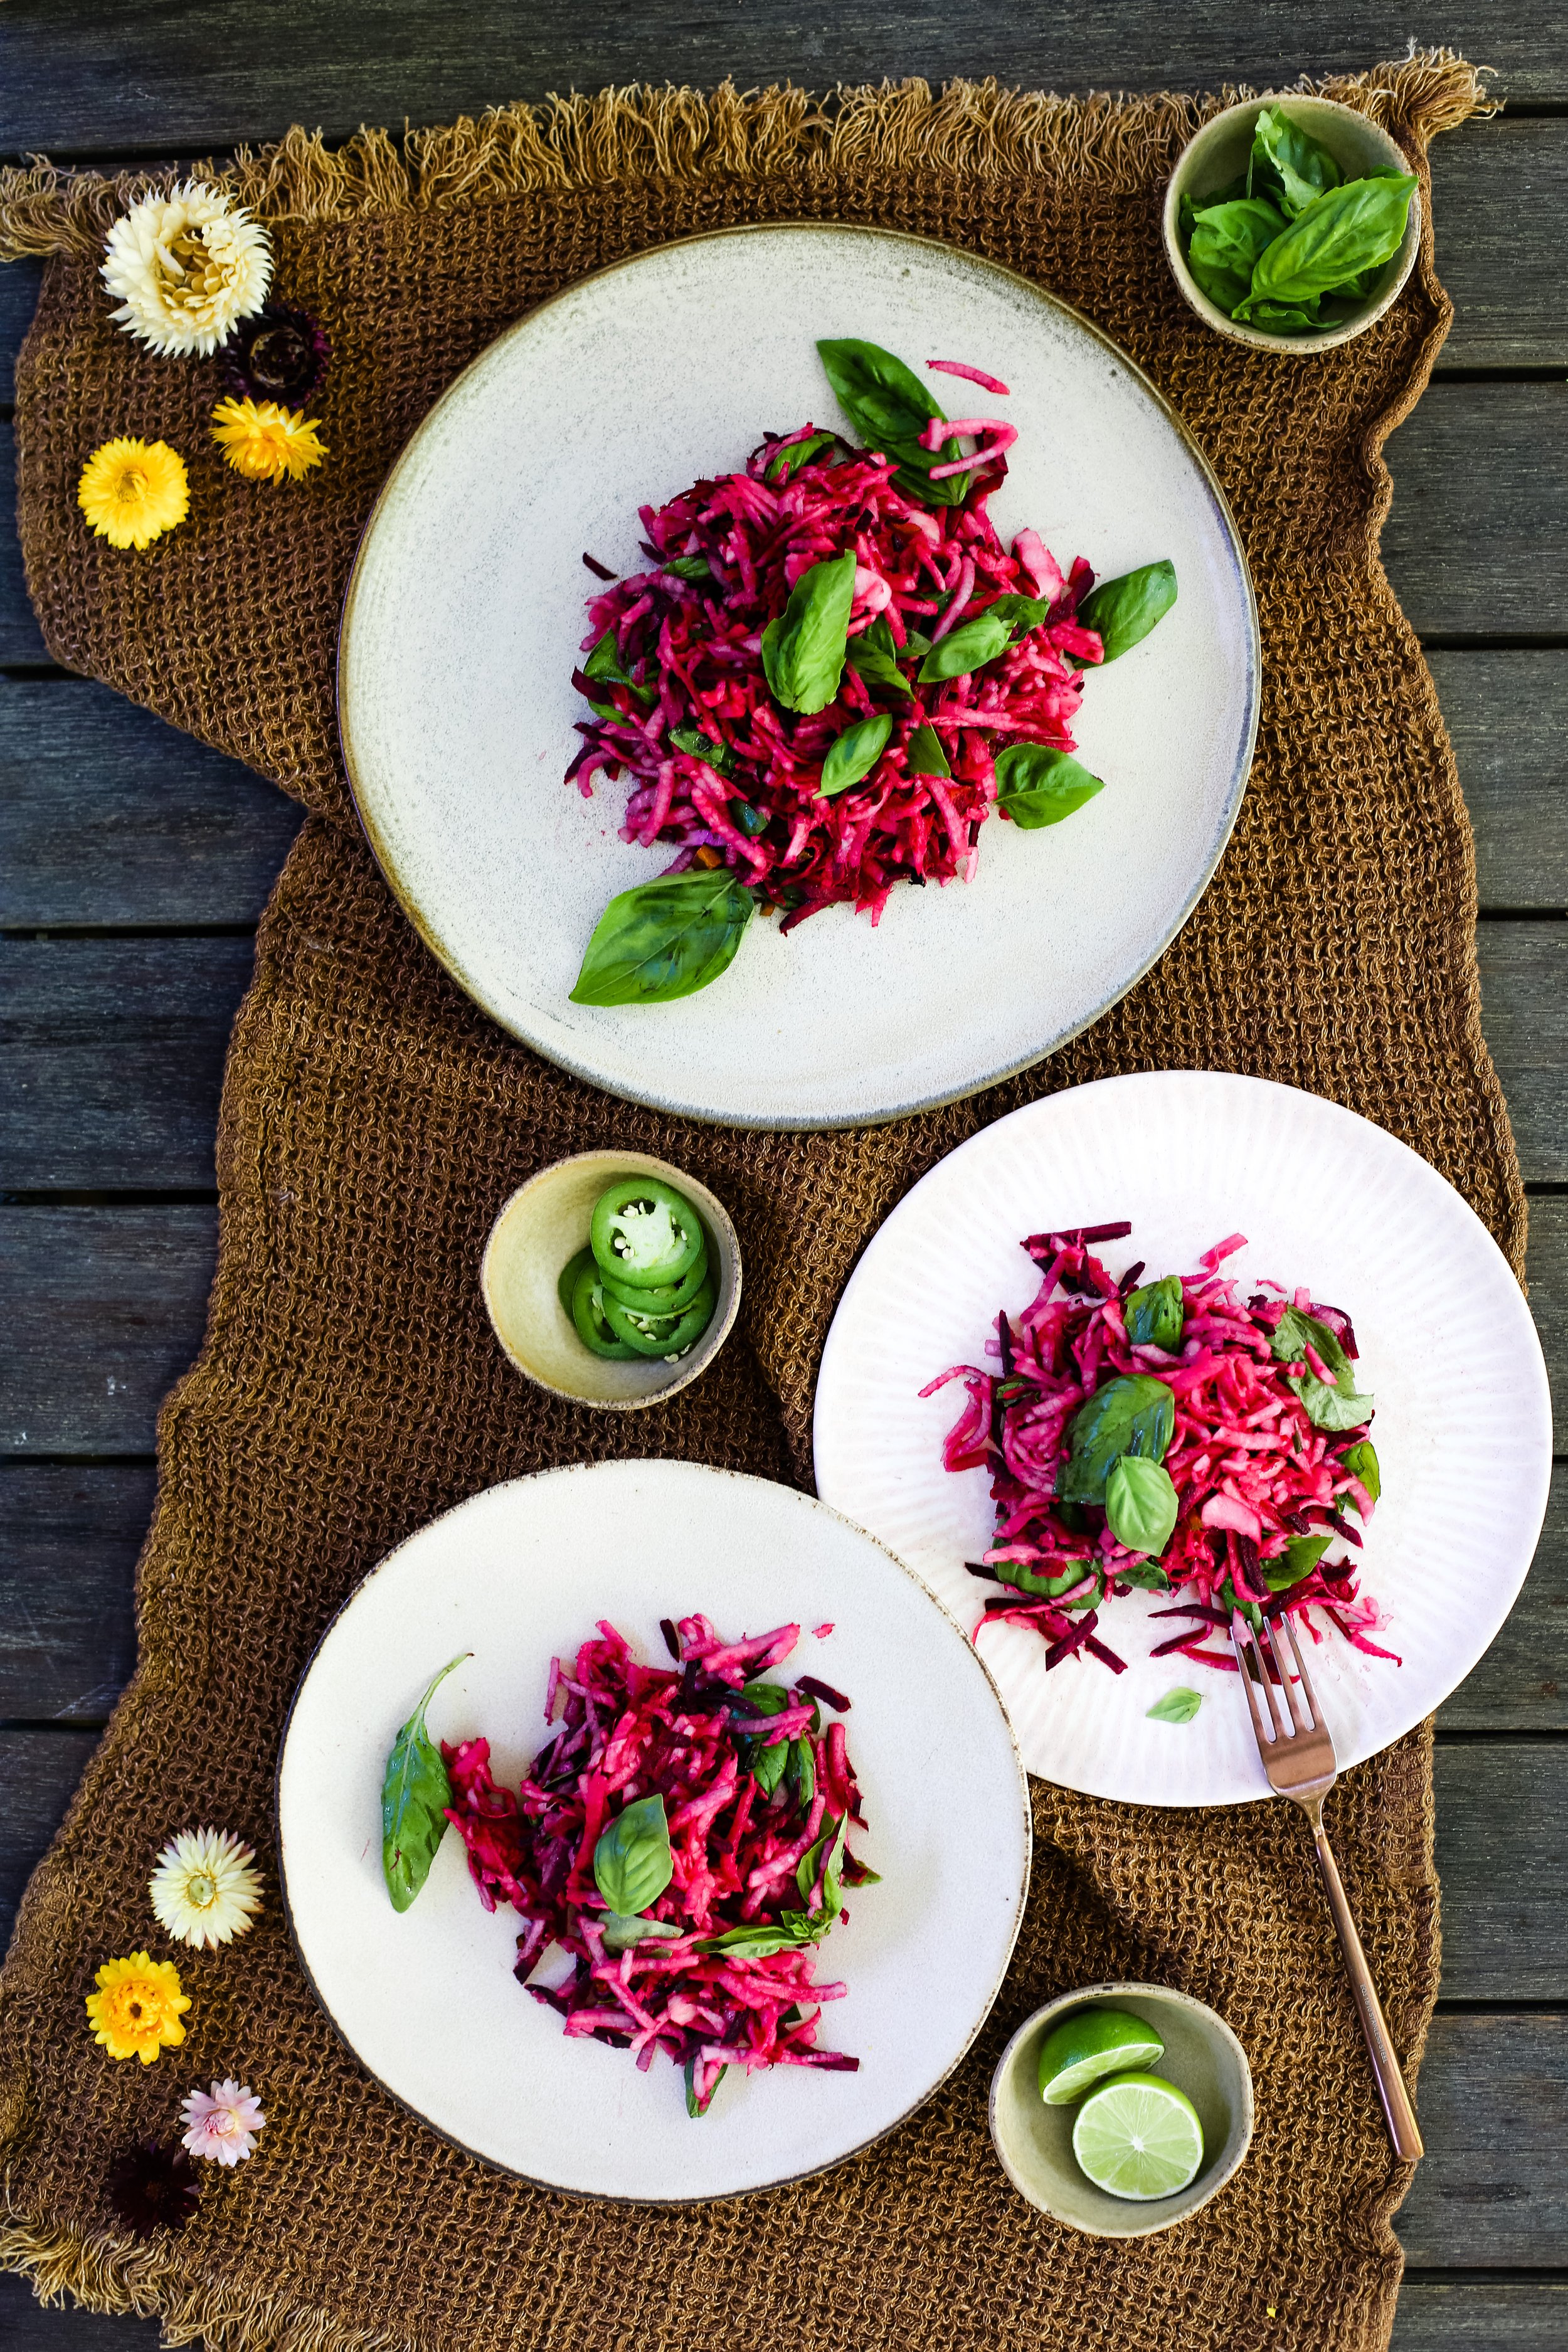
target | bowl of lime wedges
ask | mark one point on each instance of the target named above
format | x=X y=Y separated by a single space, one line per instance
x=1121 y=2109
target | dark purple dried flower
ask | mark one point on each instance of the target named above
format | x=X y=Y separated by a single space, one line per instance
x=276 y=354
x=153 y=2187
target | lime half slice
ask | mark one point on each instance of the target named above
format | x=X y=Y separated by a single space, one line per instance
x=1138 y=2136
x=1090 y=2044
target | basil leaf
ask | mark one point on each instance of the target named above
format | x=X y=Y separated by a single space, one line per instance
x=1037 y=784
x=1360 y=1460
x=1145 y=1575
x=1327 y=1408
x=695 y=2108
x=1139 y=1504
x=758 y=1943
x=1286 y=318
x=702 y=747
x=916 y=647
x=923 y=754
x=1288 y=165
x=1024 y=1579
x=1226 y=242
x=415 y=1794
x=688 y=567
x=621 y=1932
x=803 y=650
x=605 y=661
x=1122 y=612
x=1154 y=1315
x=770 y=1765
x=831 y=1845
x=1178 y=1706
x=788 y=462
x=664 y=938
x=875 y=655
x=854 y=754
x=802 y=1769
x=890 y=408
x=1133 y=1414
x=1350 y=229
x=974 y=643
x=632 y=1862
x=1298 y=1559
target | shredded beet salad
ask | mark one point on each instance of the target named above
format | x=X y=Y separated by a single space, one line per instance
x=1174 y=1437
x=742 y=1802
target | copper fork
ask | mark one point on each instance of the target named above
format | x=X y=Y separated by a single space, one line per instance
x=1299 y=1757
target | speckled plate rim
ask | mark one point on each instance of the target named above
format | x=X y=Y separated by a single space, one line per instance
x=604 y=2197
x=652 y=1096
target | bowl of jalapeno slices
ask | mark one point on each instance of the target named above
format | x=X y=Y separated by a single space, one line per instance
x=612 y=1278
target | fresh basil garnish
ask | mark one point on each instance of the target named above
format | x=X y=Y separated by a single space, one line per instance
x=632 y=1860
x=415 y=1794
x=1139 y=1504
x=1227 y=241
x=1037 y=784
x=1154 y=1314
x=1339 y=1407
x=923 y=754
x=890 y=408
x=1298 y=1559
x=688 y=567
x=1122 y=612
x=1360 y=1460
x=621 y=1933
x=974 y=643
x=605 y=661
x=1132 y=1414
x=854 y=754
x=875 y=655
x=1342 y=233
x=803 y=650
x=788 y=462
x=1178 y=1706
x=1286 y=165
x=702 y=747
x=829 y=1845
x=1145 y=1574
x=664 y=938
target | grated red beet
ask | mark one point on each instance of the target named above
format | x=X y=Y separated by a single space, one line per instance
x=692 y=1734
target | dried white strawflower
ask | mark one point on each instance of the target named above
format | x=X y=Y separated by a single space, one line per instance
x=186 y=267
x=205 y=1887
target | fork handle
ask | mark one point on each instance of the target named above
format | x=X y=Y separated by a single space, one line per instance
x=1398 y=2113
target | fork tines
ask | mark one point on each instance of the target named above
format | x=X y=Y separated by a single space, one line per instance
x=1267 y=1669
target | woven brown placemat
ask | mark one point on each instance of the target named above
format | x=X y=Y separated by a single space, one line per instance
x=373 y=1121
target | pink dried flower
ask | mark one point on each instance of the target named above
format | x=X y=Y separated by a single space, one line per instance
x=222 y=2125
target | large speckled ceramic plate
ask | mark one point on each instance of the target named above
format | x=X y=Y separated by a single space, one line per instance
x=466 y=611
x=1463 y=1428
x=519 y=1574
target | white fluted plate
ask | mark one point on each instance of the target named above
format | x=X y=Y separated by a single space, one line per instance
x=1448 y=1347
x=517 y=1575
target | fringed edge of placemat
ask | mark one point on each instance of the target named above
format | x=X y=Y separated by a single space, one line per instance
x=122 y=2282
x=687 y=135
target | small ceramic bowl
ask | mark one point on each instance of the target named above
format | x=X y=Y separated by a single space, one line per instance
x=543 y=1224
x=1217 y=155
x=1034 y=2142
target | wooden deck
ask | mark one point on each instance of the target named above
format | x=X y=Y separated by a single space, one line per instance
x=133 y=867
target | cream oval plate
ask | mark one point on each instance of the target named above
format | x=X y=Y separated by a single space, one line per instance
x=519 y=1574
x=1463 y=1425
x=465 y=612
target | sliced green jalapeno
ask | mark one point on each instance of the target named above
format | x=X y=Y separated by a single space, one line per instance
x=645 y=1234
x=669 y=1299
x=661 y=1335
x=569 y=1272
x=588 y=1316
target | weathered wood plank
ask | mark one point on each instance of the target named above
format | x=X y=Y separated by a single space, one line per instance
x=70 y=1538
x=108 y=816
x=1521 y=1684
x=1508 y=716
x=28 y=2326
x=1493 y=2101
x=1498 y=186
x=1457 y=2315
x=1473 y=541
x=206 y=76
x=1524 y=1017
x=39 y=1774
x=19 y=639
x=105 y=1308
x=18 y=294
x=1502 y=1856
x=113 y=1056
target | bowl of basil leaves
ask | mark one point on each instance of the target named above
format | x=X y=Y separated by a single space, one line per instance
x=1291 y=225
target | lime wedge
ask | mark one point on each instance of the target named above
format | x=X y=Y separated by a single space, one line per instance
x=1090 y=2044
x=1138 y=2136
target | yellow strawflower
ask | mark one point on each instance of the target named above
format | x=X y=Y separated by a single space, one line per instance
x=137 y=2008
x=264 y=442
x=133 y=492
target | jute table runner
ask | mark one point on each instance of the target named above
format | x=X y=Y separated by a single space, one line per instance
x=373 y=1121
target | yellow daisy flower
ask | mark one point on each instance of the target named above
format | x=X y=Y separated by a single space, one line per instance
x=264 y=441
x=205 y=1887
x=137 y=2008
x=133 y=492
